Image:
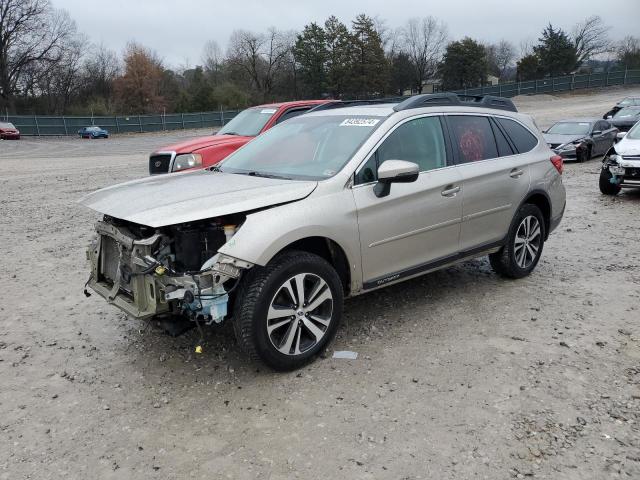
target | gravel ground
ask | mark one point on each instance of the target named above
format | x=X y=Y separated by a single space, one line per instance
x=460 y=374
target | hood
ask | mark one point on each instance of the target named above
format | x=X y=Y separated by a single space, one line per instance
x=627 y=146
x=557 y=139
x=195 y=144
x=187 y=197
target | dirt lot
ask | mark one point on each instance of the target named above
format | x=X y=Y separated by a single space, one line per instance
x=460 y=374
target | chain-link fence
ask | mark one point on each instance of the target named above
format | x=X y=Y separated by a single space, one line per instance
x=51 y=125
x=67 y=125
x=558 y=84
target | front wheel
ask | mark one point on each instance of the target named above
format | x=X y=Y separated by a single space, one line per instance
x=605 y=184
x=525 y=240
x=288 y=311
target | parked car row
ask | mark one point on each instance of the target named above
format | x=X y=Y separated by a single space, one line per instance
x=339 y=201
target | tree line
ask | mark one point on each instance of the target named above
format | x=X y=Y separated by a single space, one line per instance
x=48 y=67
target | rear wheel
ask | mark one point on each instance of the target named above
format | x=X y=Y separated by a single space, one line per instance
x=606 y=187
x=288 y=311
x=525 y=240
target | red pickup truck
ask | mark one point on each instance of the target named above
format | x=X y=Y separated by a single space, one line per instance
x=203 y=152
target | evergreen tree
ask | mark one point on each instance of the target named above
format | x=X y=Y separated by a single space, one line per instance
x=556 y=52
x=464 y=65
x=339 y=44
x=401 y=73
x=369 y=67
x=529 y=68
x=310 y=54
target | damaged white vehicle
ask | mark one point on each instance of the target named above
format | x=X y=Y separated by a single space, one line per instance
x=328 y=205
x=621 y=164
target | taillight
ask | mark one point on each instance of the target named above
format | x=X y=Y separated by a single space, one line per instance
x=558 y=163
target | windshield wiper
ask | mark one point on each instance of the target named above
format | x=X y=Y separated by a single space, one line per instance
x=230 y=133
x=265 y=175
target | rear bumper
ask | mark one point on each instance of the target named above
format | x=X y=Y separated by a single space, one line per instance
x=554 y=222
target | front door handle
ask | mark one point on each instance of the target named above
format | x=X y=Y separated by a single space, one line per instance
x=450 y=191
x=515 y=173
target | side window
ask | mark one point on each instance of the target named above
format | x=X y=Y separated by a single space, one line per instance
x=419 y=141
x=294 y=112
x=522 y=138
x=369 y=171
x=473 y=137
x=602 y=126
x=504 y=149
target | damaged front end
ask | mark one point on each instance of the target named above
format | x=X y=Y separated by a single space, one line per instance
x=624 y=170
x=173 y=270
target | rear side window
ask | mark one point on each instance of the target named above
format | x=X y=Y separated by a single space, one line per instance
x=473 y=137
x=504 y=149
x=522 y=138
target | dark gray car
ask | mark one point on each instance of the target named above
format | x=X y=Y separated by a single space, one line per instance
x=581 y=138
x=626 y=118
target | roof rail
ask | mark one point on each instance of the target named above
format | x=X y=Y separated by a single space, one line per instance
x=354 y=103
x=453 y=100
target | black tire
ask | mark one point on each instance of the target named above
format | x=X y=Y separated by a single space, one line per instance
x=584 y=154
x=257 y=291
x=606 y=187
x=504 y=261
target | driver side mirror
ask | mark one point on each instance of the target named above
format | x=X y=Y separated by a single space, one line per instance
x=394 y=171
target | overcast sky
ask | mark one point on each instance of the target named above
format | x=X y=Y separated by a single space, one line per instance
x=178 y=29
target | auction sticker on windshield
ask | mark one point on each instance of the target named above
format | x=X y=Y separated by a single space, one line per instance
x=268 y=110
x=359 y=122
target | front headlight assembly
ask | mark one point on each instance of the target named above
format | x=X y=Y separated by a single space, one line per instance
x=186 y=160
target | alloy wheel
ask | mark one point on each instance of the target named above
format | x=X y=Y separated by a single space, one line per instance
x=527 y=242
x=299 y=314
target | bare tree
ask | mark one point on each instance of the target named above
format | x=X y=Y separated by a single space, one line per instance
x=591 y=38
x=32 y=34
x=100 y=69
x=502 y=55
x=424 y=42
x=212 y=57
x=58 y=83
x=260 y=56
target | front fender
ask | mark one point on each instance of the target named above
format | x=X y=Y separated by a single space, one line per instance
x=333 y=216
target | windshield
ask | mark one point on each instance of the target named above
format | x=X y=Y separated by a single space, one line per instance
x=248 y=123
x=570 y=128
x=6 y=125
x=634 y=133
x=628 y=112
x=629 y=101
x=305 y=147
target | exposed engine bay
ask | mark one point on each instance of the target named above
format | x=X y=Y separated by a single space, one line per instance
x=174 y=270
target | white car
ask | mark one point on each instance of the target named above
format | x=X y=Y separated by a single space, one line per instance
x=621 y=165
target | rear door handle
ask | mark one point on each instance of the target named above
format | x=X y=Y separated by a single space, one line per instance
x=450 y=191
x=515 y=173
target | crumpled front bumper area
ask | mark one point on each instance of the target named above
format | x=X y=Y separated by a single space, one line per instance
x=126 y=272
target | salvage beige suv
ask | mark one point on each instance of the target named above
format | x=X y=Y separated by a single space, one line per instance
x=331 y=204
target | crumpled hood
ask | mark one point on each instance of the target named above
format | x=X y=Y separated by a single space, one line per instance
x=628 y=146
x=555 y=138
x=186 y=197
x=195 y=144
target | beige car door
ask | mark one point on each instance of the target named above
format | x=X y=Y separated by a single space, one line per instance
x=495 y=179
x=418 y=224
